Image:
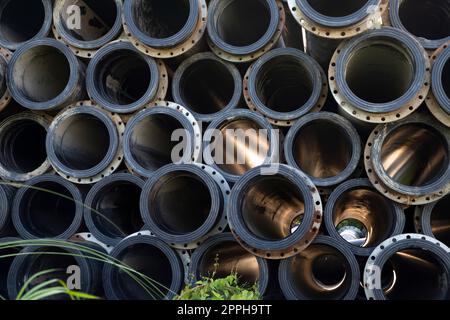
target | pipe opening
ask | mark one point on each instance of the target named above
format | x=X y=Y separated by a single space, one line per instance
x=229 y=257
x=428 y=19
x=81 y=141
x=122 y=77
x=158 y=268
x=321 y=272
x=47 y=212
x=270 y=207
x=446 y=78
x=414 y=155
x=440 y=220
x=380 y=71
x=161 y=19
x=337 y=9
x=236 y=27
x=244 y=146
x=207 y=86
x=180 y=203
x=151 y=142
x=41 y=73
x=416 y=274
x=18 y=25
x=330 y=146
x=118 y=205
x=284 y=84
x=363 y=217
x=97 y=18
x=22 y=146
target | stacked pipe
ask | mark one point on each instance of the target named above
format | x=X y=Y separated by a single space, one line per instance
x=302 y=144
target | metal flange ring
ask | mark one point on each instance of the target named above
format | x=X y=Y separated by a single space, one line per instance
x=179 y=49
x=86 y=237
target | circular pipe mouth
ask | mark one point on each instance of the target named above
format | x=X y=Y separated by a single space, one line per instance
x=361 y=218
x=122 y=79
x=409 y=268
x=435 y=221
x=336 y=15
x=18 y=26
x=274 y=213
x=165 y=269
x=148 y=143
x=82 y=142
x=391 y=65
x=43 y=74
x=426 y=20
x=111 y=208
x=100 y=22
x=161 y=23
x=285 y=84
x=207 y=86
x=221 y=256
x=238 y=141
x=37 y=259
x=47 y=207
x=334 y=159
x=231 y=29
x=323 y=271
x=441 y=79
x=181 y=203
x=22 y=147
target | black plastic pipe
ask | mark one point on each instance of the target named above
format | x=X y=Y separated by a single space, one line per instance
x=111 y=208
x=5 y=264
x=7 y=193
x=360 y=218
x=326 y=270
x=325 y=146
x=183 y=204
x=122 y=79
x=207 y=86
x=19 y=25
x=408 y=267
x=22 y=146
x=275 y=216
x=100 y=22
x=153 y=258
x=427 y=20
x=45 y=75
x=47 y=206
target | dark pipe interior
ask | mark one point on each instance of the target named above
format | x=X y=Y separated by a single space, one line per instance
x=180 y=203
x=414 y=155
x=363 y=217
x=47 y=261
x=97 y=18
x=150 y=261
x=446 y=78
x=284 y=84
x=322 y=149
x=207 y=86
x=47 y=209
x=22 y=146
x=161 y=18
x=151 y=142
x=417 y=274
x=271 y=207
x=116 y=210
x=244 y=146
x=428 y=19
x=18 y=24
x=337 y=8
x=440 y=220
x=321 y=272
x=41 y=73
x=122 y=77
x=242 y=22
x=226 y=258
x=81 y=141
x=380 y=71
